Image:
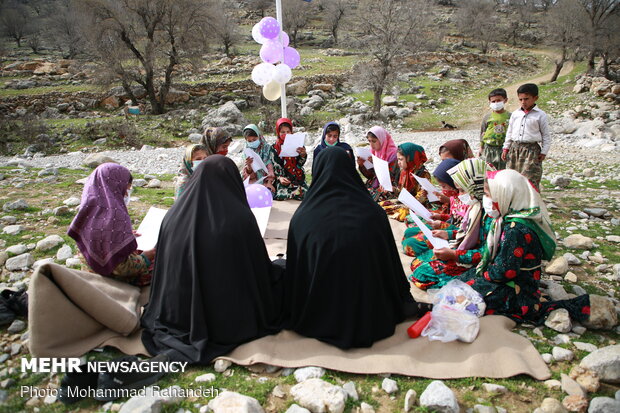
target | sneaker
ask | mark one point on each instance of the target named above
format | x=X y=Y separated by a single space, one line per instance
x=6 y=314
x=17 y=301
x=73 y=385
x=109 y=383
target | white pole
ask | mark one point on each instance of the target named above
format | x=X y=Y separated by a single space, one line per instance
x=283 y=86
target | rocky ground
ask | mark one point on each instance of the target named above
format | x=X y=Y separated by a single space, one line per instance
x=40 y=194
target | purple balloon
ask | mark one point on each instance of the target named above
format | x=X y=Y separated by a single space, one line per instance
x=269 y=28
x=258 y=196
x=291 y=57
x=284 y=38
x=271 y=51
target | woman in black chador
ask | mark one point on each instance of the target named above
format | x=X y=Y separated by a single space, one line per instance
x=212 y=288
x=344 y=282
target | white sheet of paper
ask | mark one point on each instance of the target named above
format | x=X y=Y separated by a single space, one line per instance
x=382 y=171
x=291 y=143
x=437 y=242
x=364 y=153
x=246 y=183
x=428 y=187
x=149 y=228
x=257 y=162
x=416 y=207
x=262 y=218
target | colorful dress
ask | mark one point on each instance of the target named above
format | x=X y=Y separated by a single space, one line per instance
x=508 y=276
x=290 y=167
x=429 y=272
x=387 y=153
x=510 y=284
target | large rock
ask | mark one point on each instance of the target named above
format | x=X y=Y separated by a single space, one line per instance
x=550 y=405
x=562 y=354
x=578 y=241
x=575 y=403
x=559 y=320
x=605 y=362
x=65 y=252
x=318 y=396
x=231 y=402
x=390 y=101
x=389 y=386
x=111 y=102
x=177 y=96
x=571 y=387
x=50 y=242
x=604 y=405
x=21 y=262
x=12 y=229
x=564 y=125
x=18 y=205
x=306 y=373
x=560 y=181
x=586 y=378
x=603 y=314
x=3 y=257
x=227 y=113
x=558 y=266
x=440 y=398
x=298 y=88
x=95 y=159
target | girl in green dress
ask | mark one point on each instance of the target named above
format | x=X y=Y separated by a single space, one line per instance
x=508 y=276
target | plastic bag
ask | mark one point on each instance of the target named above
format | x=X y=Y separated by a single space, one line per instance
x=456 y=308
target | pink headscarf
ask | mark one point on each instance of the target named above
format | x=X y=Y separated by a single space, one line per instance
x=388 y=147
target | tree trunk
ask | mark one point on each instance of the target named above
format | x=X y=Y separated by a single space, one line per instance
x=605 y=58
x=376 y=104
x=558 y=69
x=591 y=61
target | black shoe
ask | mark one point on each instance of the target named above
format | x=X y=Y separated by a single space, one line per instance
x=109 y=383
x=6 y=314
x=17 y=301
x=74 y=385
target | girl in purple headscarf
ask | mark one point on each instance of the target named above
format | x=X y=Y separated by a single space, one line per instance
x=102 y=228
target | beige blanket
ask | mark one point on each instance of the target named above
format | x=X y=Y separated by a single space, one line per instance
x=73 y=312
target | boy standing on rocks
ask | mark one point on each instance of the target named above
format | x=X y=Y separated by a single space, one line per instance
x=528 y=138
x=493 y=129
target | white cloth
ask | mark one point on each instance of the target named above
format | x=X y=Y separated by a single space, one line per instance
x=531 y=127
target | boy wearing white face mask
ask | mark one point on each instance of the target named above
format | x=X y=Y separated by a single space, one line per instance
x=493 y=129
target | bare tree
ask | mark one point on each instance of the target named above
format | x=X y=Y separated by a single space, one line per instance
x=64 y=26
x=477 y=19
x=15 y=18
x=397 y=28
x=610 y=43
x=296 y=16
x=335 y=12
x=144 y=41
x=260 y=6
x=598 y=11
x=225 y=27
x=565 y=24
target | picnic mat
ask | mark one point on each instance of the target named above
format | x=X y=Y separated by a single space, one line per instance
x=73 y=312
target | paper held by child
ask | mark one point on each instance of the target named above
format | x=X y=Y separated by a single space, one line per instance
x=246 y=182
x=414 y=205
x=437 y=242
x=429 y=188
x=149 y=228
x=257 y=162
x=291 y=143
x=364 y=153
x=262 y=218
x=382 y=171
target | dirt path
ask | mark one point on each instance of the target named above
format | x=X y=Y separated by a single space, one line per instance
x=475 y=116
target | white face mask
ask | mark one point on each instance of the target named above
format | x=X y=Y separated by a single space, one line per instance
x=496 y=106
x=195 y=164
x=466 y=199
x=487 y=204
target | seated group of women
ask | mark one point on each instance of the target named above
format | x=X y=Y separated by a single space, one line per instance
x=214 y=286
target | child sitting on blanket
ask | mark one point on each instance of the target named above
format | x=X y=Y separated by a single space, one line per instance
x=255 y=141
x=194 y=155
x=102 y=228
x=411 y=159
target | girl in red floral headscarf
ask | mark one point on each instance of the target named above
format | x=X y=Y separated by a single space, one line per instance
x=290 y=175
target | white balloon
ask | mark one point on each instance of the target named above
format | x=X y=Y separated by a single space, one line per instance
x=263 y=73
x=282 y=73
x=272 y=91
x=258 y=38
